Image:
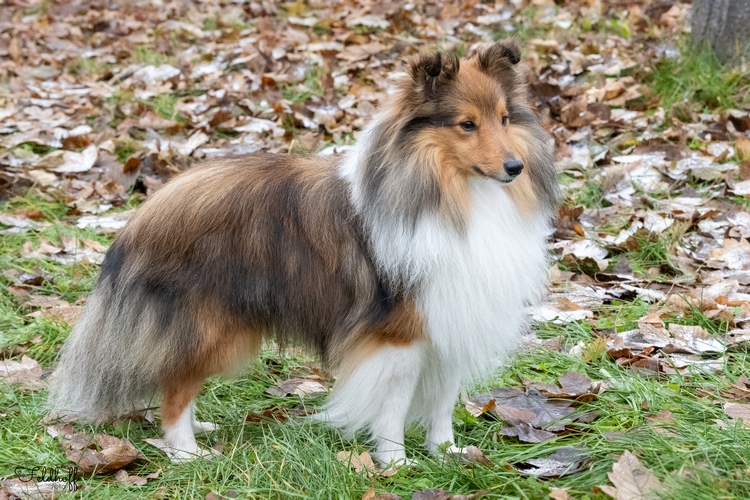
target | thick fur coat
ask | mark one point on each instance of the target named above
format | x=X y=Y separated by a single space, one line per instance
x=406 y=265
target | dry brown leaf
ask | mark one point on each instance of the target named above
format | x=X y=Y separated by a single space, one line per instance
x=738 y=411
x=360 y=463
x=740 y=390
x=734 y=255
x=563 y=462
x=26 y=372
x=512 y=415
x=12 y=489
x=121 y=476
x=370 y=494
x=297 y=387
x=100 y=453
x=574 y=384
x=63 y=314
x=474 y=454
x=743 y=148
x=632 y=480
x=559 y=494
x=663 y=417
x=527 y=433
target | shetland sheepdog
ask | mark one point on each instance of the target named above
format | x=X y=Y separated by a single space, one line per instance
x=405 y=264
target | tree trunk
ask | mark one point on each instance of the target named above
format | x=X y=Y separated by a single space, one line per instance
x=724 y=25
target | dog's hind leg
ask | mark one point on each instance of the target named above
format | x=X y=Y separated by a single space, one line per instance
x=376 y=396
x=177 y=417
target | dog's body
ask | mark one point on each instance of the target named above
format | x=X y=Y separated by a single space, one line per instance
x=406 y=264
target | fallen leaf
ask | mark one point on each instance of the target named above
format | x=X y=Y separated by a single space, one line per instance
x=26 y=372
x=360 y=463
x=743 y=148
x=100 y=453
x=559 y=494
x=632 y=480
x=563 y=462
x=527 y=433
x=738 y=411
x=12 y=489
x=572 y=385
x=474 y=454
x=370 y=494
x=733 y=255
x=511 y=415
x=78 y=162
x=41 y=301
x=60 y=314
x=740 y=390
x=105 y=224
x=297 y=387
x=514 y=405
x=663 y=417
x=121 y=476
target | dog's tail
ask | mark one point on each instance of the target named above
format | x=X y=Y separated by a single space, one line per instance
x=109 y=365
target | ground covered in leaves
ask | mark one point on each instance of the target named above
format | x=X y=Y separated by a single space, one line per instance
x=635 y=384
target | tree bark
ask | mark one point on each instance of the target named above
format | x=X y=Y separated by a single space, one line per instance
x=724 y=25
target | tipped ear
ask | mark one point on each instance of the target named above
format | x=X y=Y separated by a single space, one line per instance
x=432 y=72
x=499 y=56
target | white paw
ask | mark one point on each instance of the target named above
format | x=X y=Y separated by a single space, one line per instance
x=204 y=427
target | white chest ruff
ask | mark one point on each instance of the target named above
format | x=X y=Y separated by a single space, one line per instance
x=475 y=295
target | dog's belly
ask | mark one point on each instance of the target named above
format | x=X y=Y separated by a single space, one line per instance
x=474 y=300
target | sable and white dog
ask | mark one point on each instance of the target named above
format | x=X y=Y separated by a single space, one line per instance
x=406 y=264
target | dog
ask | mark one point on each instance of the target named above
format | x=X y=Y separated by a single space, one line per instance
x=406 y=264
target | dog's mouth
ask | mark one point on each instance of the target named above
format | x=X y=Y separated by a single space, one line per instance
x=502 y=178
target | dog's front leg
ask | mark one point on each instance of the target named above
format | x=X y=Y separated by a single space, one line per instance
x=376 y=396
x=435 y=400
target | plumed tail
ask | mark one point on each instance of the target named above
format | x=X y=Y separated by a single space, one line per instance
x=106 y=368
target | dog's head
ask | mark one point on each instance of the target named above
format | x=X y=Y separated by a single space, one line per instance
x=468 y=111
x=452 y=120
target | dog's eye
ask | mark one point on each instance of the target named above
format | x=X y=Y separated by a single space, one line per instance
x=468 y=126
x=505 y=120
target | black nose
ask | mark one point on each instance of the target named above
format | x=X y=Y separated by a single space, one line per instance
x=513 y=167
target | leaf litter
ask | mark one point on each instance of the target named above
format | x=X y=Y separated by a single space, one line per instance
x=540 y=412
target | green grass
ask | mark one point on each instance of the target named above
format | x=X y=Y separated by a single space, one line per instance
x=698 y=77
x=311 y=86
x=164 y=104
x=297 y=458
x=124 y=149
x=209 y=24
x=652 y=251
x=146 y=55
x=590 y=194
x=85 y=66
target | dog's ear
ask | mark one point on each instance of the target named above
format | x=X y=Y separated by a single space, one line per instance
x=433 y=71
x=499 y=57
